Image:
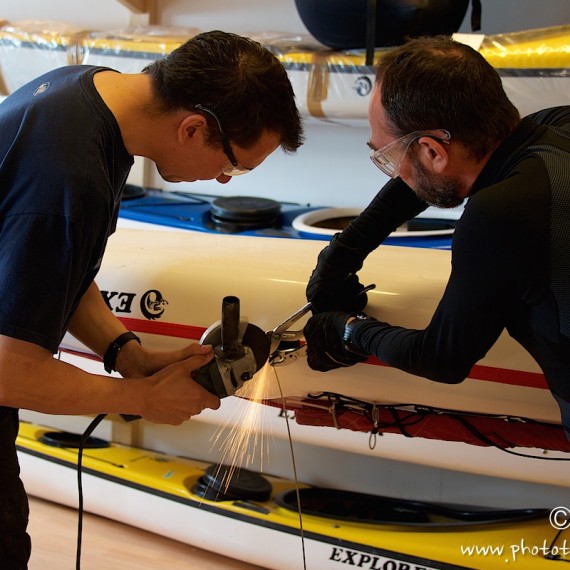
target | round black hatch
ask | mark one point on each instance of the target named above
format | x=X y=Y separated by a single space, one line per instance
x=71 y=440
x=231 y=483
x=132 y=192
x=241 y=213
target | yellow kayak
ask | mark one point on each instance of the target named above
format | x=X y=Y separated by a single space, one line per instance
x=255 y=518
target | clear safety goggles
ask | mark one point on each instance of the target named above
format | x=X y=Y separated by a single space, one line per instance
x=389 y=158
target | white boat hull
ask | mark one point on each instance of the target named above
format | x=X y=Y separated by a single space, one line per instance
x=192 y=273
x=169 y=286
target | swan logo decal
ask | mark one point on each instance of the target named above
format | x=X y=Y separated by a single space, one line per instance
x=363 y=86
x=152 y=304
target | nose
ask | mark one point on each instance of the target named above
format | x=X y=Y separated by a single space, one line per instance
x=223 y=178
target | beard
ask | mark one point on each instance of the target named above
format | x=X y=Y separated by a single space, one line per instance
x=438 y=191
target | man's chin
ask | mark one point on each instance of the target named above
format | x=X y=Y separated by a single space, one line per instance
x=174 y=179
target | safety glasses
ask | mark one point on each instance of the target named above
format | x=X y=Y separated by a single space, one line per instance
x=389 y=158
x=236 y=169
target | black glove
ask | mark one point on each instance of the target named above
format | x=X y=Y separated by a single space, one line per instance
x=332 y=294
x=334 y=285
x=325 y=346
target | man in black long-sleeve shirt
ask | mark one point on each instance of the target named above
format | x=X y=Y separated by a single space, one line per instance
x=444 y=130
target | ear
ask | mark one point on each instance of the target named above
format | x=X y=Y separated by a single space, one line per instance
x=433 y=154
x=190 y=127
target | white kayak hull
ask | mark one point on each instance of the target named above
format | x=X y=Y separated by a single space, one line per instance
x=168 y=286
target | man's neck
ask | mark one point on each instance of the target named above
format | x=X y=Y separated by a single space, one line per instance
x=129 y=98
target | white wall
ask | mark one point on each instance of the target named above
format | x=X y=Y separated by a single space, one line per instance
x=98 y=14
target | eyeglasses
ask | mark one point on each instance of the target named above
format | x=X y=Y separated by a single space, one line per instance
x=389 y=158
x=236 y=170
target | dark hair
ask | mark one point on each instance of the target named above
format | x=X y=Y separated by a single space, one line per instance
x=237 y=78
x=438 y=83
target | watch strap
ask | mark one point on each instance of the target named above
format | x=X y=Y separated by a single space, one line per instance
x=348 y=331
x=112 y=352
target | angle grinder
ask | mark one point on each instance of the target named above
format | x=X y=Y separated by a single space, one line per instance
x=240 y=348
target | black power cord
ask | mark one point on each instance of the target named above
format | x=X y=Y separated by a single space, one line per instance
x=84 y=438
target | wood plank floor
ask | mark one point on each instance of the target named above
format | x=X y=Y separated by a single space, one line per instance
x=109 y=545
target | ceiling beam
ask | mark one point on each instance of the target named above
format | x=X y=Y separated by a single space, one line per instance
x=142 y=11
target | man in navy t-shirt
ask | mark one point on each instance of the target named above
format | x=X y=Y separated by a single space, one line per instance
x=215 y=107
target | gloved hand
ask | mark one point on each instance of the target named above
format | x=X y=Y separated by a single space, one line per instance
x=325 y=347
x=336 y=294
x=334 y=285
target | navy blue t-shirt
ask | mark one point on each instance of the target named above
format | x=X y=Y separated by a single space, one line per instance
x=63 y=165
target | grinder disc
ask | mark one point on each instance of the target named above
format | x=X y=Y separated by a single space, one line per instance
x=249 y=335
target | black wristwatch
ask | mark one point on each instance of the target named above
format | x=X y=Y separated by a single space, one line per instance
x=348 y=328
x=112 y=352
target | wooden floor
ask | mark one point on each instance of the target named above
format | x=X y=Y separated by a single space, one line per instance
x=109 y=545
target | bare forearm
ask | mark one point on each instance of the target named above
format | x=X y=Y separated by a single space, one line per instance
x=31 y=378
x=93 y=323
x=51 y=386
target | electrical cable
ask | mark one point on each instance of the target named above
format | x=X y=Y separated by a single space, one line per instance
x=294 y=464
x=84 y=438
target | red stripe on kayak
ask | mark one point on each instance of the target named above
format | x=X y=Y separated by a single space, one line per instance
x=505 y=376
x=163 y=329
x=499 y=375
x=478 y=372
